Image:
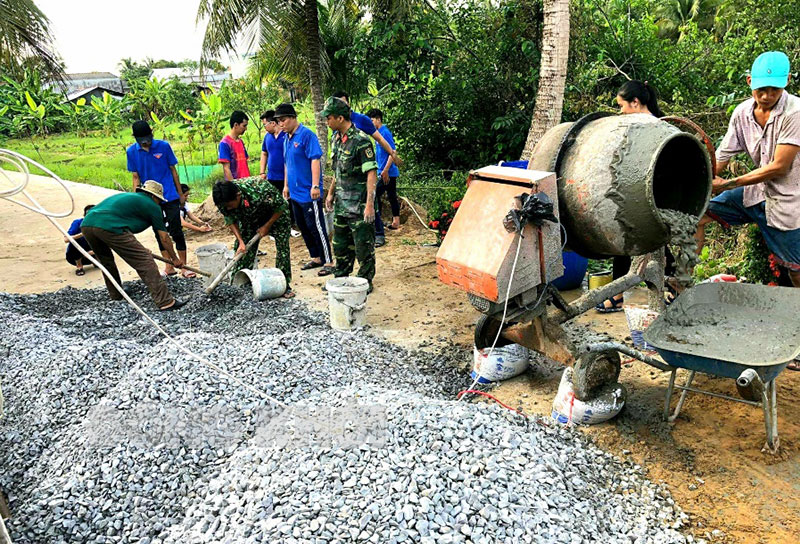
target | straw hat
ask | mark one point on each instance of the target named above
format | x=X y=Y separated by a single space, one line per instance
x=153 y=188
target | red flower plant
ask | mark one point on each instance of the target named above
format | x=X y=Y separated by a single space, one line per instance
x=456 y=204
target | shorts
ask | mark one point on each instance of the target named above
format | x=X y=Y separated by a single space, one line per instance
x=728 y=209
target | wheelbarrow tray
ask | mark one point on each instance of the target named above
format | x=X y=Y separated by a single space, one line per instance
x=724 y=328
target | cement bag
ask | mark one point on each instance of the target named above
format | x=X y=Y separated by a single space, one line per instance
x=639 y=318
x=504 y=363
x=567 y=408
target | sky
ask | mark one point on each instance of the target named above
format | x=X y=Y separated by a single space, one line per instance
x=95 y=36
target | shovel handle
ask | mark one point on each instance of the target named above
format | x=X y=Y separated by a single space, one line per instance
x=186 y=266
x=253 y=241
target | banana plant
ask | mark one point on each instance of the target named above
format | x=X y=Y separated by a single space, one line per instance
x=37 y=112
x=74 y=111
x=159 y=124
x=109 y=110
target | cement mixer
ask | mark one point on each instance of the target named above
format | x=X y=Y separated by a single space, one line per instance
x=610 y=180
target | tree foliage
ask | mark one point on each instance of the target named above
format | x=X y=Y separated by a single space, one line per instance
x=25 y=40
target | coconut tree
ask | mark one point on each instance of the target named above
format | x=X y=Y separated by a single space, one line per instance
x=249 y=22
x=25 y=33
x=673 y=15
x=288 y=34
x=552 y=72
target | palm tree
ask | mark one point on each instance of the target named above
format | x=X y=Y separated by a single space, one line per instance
x=673 y=15
x=294 y=22
x=288 y=34
x=25 y=33
x=552 y=72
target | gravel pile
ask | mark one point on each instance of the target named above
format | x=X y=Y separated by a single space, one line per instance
x=111 y=435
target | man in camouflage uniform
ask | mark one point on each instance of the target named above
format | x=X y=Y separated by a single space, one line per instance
x=253 y=205
x=353 y=190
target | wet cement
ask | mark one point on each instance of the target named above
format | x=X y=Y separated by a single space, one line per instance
x=682 y=228
x=728 y=332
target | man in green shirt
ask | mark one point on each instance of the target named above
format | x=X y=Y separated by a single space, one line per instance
x=353 y=190
x=111 y=225
x=253 y=205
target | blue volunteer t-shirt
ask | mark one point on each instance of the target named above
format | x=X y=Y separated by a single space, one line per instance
x=362 y=123
x=299 y=150
x=154 y=165
x=274 y=148
x=75 y=227
x=382 y=156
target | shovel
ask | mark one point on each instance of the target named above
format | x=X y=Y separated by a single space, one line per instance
x=186 y=266
x=253 y=241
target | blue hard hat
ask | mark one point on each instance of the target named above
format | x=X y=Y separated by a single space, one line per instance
x=770 y=69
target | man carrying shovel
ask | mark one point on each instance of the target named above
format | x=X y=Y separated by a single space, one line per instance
x=253 y=206
x=111 y=225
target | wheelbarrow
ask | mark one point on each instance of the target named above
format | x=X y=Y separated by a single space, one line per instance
x=732 y=330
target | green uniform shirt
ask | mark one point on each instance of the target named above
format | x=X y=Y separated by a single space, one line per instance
x=126 y=212
x=353 y=158
x=260 y=200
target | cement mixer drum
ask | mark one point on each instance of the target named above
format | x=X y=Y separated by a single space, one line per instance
x=614 y=175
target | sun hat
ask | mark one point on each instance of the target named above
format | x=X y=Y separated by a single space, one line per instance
x=153 y=188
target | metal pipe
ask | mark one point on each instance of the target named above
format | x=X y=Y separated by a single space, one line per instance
x=718 y=395
x=596 y=296
x=750 y=385
x=622 y=348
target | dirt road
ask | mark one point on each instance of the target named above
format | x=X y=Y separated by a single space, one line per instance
x=710 y=457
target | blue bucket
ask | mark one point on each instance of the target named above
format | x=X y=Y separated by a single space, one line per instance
x=575 y=268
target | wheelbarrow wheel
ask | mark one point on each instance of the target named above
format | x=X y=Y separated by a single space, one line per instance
x=486 y=331
x=593 y=371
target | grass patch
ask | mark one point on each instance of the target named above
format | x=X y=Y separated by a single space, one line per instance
x=100 y=160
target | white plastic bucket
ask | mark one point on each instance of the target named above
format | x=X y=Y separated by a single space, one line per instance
x=267 y=283
x=347 y=302
x=213 y=258
x=505 y=362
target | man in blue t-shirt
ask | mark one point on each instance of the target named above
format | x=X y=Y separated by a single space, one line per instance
x=365 y=125
x=387 y=179
x=303 y=187
x=272 y=151
x=154 y=160
x=74 y=256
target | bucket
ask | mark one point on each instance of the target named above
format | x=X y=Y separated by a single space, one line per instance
x=267 y=283
x=213 y=258
x=574 y=270
x=347 y=302
x=505 y=362
x=600 y=279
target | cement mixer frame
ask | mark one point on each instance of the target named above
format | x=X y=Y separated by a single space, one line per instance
x=592 y=170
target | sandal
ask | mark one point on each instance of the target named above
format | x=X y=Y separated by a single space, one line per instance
x=326 y=271
x=80 y=272
x=188 y=274
x=794 y=365
x=616 y=306
x=311 y=264
x=288 y=293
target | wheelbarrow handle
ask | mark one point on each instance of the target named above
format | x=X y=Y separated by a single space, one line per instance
x=185 y=266
x=253 y=241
